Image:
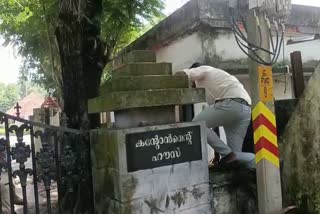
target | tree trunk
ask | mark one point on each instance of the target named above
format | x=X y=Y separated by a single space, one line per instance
x=93 y=55
x=81 y=53
x=69 y=36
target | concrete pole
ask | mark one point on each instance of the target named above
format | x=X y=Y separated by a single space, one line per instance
x=267 y=156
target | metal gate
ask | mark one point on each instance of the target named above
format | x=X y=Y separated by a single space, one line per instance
x=43 y=169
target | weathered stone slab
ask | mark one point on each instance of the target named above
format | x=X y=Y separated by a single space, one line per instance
x=111 y=177
x=300 y=150
x=137 y=99
x=180 y=176
x=194 y=199
x=136 y=56
x=203 y=209
x=135 y=83
x=105 y=149
x=142 y=183
x=140 y=56
x=234 y=191
x=186 y=198
x=125 y=187
x=141 y=69
x=139 y=117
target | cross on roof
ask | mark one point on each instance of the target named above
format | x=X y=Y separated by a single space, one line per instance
x=18 y=107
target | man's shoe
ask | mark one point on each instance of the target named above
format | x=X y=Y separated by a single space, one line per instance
x=215 y=160
x=230 y=158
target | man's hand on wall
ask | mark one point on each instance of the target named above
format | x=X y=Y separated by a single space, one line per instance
x=180 y=73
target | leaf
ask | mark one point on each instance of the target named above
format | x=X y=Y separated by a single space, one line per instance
x=30 y=25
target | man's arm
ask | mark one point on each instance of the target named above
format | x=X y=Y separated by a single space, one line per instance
x=191 y=83
x=180 y=73
x=195 y=73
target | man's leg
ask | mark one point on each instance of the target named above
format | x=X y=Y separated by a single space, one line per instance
x=248 y=159
x=236 y=130
x=226 y=114
x=217 y=144
x=214 y=117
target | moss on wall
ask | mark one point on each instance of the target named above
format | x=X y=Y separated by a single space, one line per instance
x=300 y=151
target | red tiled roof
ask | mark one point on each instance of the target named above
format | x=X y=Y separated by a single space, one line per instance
x=27 y=104
x=50 y=102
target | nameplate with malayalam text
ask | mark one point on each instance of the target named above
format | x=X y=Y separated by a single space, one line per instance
x=151 y=149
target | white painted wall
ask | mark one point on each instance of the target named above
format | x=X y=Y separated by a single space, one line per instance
x=182 y=53
x=189 y=49
x=227 y=48
x=282 y=85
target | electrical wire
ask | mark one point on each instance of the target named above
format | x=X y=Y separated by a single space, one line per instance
x=242 y=46
x=250 y=46
x=252 y=49
x=234 y=25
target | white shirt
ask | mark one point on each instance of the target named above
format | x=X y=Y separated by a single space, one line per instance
x=217 y=83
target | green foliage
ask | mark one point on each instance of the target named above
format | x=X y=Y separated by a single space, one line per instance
x=123 y=21
x=9 y=95
x=132 y=32
x=28 y=87
x=30 y=25
x=12 y=93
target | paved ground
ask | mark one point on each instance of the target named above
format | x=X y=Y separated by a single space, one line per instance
x=30 y=188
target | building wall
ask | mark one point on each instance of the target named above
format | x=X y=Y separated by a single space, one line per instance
x=182 y=52
x=227 y=48
x=221 y=44
x=220 y=49
x=282 y=85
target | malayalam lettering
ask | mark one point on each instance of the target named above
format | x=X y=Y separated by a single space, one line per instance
x=157 y=148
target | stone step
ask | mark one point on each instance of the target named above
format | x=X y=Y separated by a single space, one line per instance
x=136 y=56
x=136 y=99
x=140 y=69
x=135 y=83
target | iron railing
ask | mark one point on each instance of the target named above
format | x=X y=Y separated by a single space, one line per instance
x=42 y=158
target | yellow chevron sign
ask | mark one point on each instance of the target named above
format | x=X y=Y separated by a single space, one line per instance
x=265 y=135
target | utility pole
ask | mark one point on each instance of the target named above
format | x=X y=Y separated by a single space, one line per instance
x=265 y=137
